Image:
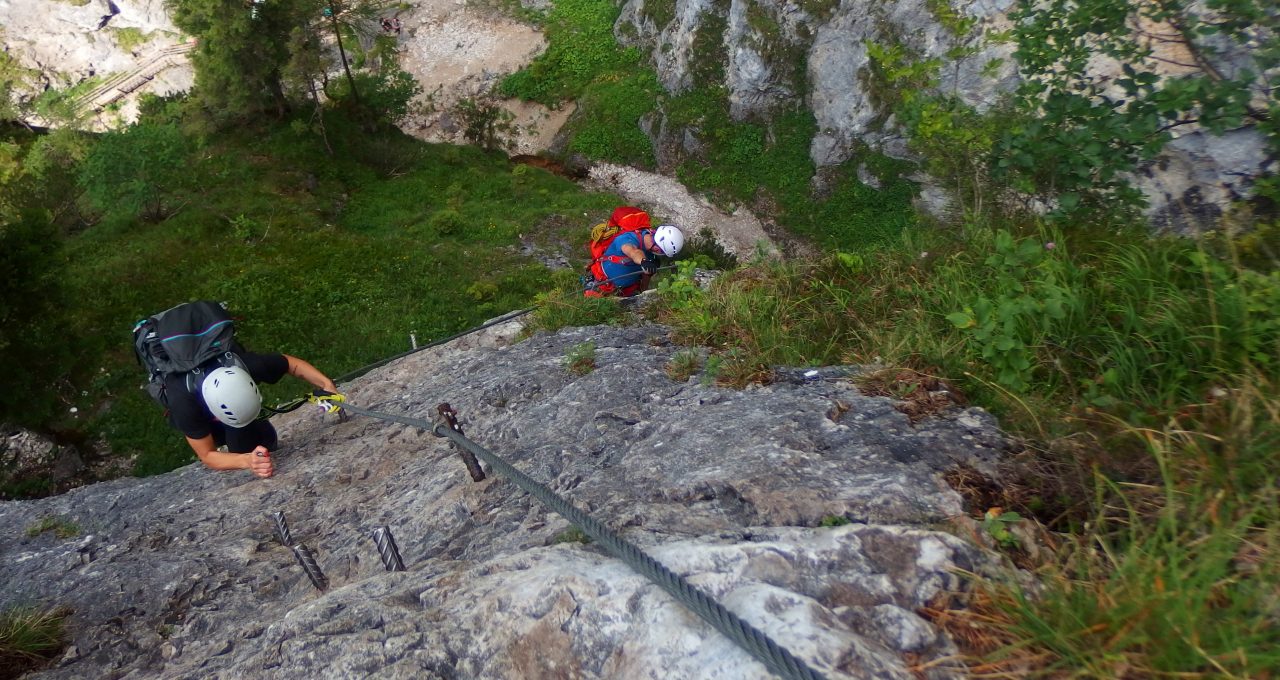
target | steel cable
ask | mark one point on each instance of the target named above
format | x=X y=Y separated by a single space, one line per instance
x=435 y=343
x=782 y=662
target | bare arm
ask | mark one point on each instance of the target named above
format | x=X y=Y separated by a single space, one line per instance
x=304 y=371
x=219 y=460
x=636 y=254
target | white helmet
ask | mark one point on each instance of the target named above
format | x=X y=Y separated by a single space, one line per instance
x=669 y=239
x=232 y=396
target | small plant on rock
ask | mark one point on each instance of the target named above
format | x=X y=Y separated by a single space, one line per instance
x=571 y=535
x=998 y=525
x=581 y=358
x=683 y=365
x=62 y=528
x=30 y=636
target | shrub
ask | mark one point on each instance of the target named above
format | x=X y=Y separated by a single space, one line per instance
x=30 y=637
x=581 y=358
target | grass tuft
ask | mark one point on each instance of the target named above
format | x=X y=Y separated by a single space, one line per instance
x=581 y=358
x=684 y=364
x=30 y=637
x=62 y=528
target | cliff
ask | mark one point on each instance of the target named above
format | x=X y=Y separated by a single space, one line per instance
x=767 y=55
x=812 y=511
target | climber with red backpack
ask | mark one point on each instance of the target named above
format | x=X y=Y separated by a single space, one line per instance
x=624 y=252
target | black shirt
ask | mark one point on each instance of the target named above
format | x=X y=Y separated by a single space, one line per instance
x=187 y=411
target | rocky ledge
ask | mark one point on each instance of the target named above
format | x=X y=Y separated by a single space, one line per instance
x=182 y=576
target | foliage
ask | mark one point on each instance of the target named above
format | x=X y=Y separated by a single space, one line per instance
x=14 y=80
x=136 y=171
x=1028 y=297
x=684 y=364
x=581 y=358
x=998 y=525
x=31 y=295
x=353 y=239
x=571 y=535
x=608 y=84
x=1125 y=325
x=1128 y=355
x=581 y=51
x=31 y=636
x=953 y=140
x=240 y=55
x=1196 y=560
x=607 y=126
x=386 y=93
x=1083 y=129
x=130 y=37
x=769 y=164
x=62 y=528
x=60 y=106
x=562 y=308
x=486 y=123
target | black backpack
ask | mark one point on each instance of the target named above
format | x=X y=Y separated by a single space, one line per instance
x=192 y=338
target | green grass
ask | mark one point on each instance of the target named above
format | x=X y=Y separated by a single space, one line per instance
x=130 y=37
x=564 y=306
x=581 y=358
x=30 y=637
x=571 y=535
x=684 y=364
x=766 y=166
x=333 y=259
x=1148 y=404
x=1178 y=579
x=62 y=528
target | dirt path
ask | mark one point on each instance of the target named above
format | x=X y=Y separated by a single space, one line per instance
x=459 y=51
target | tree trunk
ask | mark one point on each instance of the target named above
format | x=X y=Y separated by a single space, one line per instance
x=319 y=114
x=342 y=52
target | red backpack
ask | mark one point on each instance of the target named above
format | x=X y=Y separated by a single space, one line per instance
x=624 y=219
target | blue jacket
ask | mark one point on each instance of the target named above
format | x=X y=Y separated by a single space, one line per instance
x=622 y=274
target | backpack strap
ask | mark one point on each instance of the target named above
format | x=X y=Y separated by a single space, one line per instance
x=623 y=259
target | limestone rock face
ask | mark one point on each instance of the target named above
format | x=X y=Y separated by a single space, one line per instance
x=773 y=54
x=768 y=54
x=68 y=43
x=180 y=575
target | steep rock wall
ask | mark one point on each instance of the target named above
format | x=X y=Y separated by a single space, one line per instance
x=777 y=52
x=179 y=576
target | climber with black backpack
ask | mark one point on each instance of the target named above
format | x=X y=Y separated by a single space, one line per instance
x=624 y=252
x=208 y=384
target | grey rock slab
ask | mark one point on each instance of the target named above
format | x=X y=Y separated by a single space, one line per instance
x=181 y=575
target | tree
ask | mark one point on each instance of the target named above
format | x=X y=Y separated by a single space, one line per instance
x=14 y=79
x=137 y=170
x=242 y=52
x=31 y=345
x=356 y=19
x=1180 y=63
x=306 y=69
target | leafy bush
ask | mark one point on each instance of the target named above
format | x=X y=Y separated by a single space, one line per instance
x=1082 y=130
x=138 y=171
x=31 y=304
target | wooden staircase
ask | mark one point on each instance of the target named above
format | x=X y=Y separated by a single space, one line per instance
x=125 y=82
